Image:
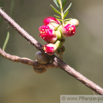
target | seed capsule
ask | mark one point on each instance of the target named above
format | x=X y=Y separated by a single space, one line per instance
x=39 y=70
x=41 y=58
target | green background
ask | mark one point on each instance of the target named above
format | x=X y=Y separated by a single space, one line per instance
x=84 y=52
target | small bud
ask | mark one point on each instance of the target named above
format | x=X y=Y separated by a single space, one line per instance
x=51 y=48
x=62 y=40
x=68 y=30
x=41 y=58
x=47 y=20
x=73 y=21
x=39 y=70
x=61 y=49
x=51 y=22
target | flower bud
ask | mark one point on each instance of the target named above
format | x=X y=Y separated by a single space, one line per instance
x=39 y=70
x=41 y=58
x=47 y=20
x=51 y=48
x=75 y=22
x=68 y=30
x=47 y=34
x=61 y=49
x=51 y=22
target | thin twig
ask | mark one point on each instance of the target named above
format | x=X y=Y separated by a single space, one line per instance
x=56 y=61
x=25 y=60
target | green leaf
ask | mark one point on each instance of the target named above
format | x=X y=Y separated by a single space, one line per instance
x=57 y=16
x=55 y=10
x=67 y=19
x=58 y=19
x=68 y=8
x=6 y=40
x=56 y=3
x=63 y=4
x=66 y=13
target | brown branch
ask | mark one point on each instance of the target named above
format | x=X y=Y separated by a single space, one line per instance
x=25 y=60
x=56 y=61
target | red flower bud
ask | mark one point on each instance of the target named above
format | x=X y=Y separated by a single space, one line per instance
x=47 y=34
x=68 y=30
x=51 y=22
x=47 y=20
x=51 y=48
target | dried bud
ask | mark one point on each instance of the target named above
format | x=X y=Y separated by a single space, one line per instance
x=41 y=58
x=39 y=70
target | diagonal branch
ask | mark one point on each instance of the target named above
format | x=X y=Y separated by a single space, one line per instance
x=57 y=61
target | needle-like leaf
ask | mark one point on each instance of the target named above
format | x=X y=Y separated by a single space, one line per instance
x=58 y=19
x=6 y=40
x=67 y=19
x=66 y=13
x=56 y=3
x=57 y=16
x=68 y=8
x=55 y=10
x=63 y=4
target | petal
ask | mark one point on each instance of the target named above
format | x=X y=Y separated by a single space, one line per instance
x=47 y=20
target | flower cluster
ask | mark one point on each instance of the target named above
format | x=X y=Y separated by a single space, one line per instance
x=52 y=31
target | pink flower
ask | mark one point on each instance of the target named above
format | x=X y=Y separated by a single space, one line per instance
x=68 y=30
x=51 y=48
x=47 y=20
x=51 y=22
x=47 y=34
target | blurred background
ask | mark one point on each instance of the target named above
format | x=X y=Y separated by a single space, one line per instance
x=84 y=52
